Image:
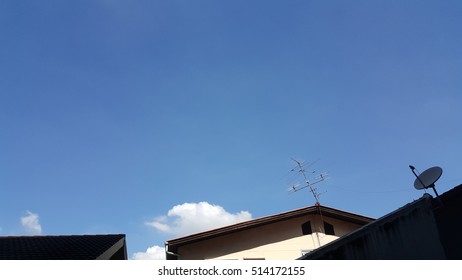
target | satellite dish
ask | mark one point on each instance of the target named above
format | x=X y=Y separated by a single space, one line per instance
x=428 y=178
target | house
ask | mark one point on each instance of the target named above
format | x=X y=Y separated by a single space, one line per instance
x=64 y=247
x=426 y=229
x=286 y=235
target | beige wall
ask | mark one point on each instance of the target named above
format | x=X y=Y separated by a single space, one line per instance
x=281 y=240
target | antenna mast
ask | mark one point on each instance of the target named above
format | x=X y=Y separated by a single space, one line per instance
x=300 y=168
x=308 y=184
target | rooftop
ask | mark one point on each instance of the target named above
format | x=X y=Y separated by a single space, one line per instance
x=63 y=247
x=173 y=244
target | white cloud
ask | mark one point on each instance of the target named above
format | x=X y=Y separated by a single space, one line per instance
x=152 y=253
x=159 y=225
x=189 y=218
x=31 y=223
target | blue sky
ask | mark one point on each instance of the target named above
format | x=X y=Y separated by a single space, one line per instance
x=115 y=113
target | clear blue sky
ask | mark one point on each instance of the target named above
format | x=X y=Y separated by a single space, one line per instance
x=113 y=112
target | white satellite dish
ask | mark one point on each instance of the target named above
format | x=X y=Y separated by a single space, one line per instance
x=428 y=178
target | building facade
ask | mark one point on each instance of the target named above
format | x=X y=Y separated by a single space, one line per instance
x=286 y=235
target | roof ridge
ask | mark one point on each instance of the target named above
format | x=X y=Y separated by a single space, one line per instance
x=267 y=220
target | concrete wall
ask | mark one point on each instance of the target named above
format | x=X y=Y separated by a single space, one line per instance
x=411 y=232
x=448 y=214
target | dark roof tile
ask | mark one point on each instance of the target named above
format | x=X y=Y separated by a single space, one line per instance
x=59 y=247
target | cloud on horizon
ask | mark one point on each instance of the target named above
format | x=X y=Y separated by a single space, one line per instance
x=189 y=218
x=152 y=253
x=31 y=223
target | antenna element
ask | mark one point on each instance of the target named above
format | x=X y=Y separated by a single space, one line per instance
x=308 y=184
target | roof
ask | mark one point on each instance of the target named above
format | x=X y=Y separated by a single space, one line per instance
x=427 y=228
x=63 y=247
x=173 y=244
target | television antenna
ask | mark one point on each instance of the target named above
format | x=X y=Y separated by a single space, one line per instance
x=428 y=178
x=300 y=168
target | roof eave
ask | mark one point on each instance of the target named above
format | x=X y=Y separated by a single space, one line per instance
x=326 y=211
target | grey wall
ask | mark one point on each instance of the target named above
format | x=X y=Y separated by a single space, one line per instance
x=410 y=232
